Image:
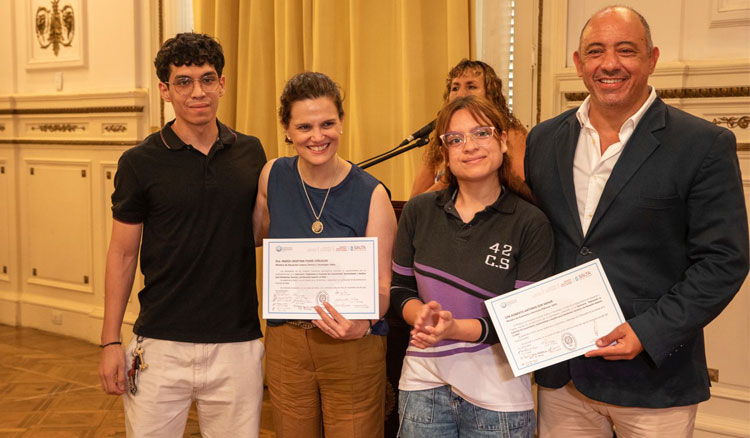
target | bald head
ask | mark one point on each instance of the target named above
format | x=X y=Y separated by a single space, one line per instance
x=615 y=60
x=625 y=12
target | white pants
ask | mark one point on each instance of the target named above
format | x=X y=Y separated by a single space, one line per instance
x=225 y=381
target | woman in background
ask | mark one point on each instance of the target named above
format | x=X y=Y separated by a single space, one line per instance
x=455 y=248
x=471 y=78
x=330 y=371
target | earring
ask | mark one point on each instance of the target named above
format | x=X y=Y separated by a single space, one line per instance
x=341 y=132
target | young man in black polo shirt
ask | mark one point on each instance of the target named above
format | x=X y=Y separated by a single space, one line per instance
x=188 y=191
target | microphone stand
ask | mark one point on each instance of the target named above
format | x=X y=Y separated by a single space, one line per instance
x=378 y=159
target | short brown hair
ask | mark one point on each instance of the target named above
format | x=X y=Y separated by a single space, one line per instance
x=493 y=87
x=308 y=85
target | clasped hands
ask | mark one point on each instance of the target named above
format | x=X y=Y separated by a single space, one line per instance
x=433 y=324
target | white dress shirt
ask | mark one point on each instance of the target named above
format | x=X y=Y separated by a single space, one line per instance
x=591 y=169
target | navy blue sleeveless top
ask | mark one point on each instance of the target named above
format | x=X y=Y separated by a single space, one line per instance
x=345 y=214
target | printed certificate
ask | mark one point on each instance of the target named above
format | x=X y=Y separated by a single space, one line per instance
x=301 y=273
x=555 y=319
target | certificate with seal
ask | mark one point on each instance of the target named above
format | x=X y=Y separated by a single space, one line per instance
x=299 y=274
x=555 y=319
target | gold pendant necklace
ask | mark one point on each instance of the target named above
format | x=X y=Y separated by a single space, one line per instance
x=317 y=225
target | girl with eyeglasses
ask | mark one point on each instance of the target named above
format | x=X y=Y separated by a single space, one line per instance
x=455 y=248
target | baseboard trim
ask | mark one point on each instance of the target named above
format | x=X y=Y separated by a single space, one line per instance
x=722 y=425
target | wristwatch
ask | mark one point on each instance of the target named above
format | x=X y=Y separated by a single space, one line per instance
x=369 y=329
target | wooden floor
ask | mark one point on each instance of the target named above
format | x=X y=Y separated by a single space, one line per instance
x=49 y=387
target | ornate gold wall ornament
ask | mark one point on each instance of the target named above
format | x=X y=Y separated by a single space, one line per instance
x=733 y=122
x=681 y=93
x=58 y=127
x=115 y=127
x=743 y=147
x=55 y=27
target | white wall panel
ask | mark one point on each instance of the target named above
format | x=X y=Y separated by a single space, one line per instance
x=58 y=223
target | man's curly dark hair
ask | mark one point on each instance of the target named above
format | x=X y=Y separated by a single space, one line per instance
x=188 y=49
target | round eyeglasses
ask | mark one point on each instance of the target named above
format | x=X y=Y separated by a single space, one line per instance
x=480 y=136
x=184 y=85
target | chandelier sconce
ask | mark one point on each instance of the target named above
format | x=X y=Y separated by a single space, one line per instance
x=55 y=27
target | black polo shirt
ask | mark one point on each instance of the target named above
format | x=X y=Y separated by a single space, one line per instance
x=197 y=250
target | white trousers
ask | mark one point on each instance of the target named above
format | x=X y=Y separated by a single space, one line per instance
x=225 y=381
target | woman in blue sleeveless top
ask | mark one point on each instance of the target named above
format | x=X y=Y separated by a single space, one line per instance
x=328 y=373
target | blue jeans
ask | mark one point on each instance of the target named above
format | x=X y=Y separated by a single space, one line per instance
x=441 y=413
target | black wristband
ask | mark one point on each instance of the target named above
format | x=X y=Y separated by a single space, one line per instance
x=110 y=343
x=483 y=335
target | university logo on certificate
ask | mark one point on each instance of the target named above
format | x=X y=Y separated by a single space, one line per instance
x=555 y=319
x=299 y=274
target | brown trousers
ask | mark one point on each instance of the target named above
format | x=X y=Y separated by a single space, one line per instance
x=313 y=377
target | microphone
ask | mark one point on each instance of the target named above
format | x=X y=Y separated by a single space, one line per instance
x=423 y=131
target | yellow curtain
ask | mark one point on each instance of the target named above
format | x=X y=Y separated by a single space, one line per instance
x=389 y=56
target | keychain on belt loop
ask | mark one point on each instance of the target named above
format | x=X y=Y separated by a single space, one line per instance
x=138 y=365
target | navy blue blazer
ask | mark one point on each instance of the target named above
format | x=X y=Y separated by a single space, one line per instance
x=671 y=232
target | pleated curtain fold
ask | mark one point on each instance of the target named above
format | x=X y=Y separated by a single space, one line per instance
x=389 y=56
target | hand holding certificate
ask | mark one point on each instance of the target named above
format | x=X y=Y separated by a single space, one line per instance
x=555 y=319
x=299 y=274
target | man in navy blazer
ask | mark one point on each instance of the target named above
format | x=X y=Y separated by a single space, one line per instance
x=656 y=195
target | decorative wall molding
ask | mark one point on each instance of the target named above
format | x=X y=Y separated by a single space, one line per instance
x=115 y=127
x=720 y=425
x=729 y=13
x=680 y=93
x=741 y=122
x=81 y=110
x=19 y=141
x=55 y=303
x=730 y=393
x=111 y=118
x=697 y=93
x=58 y=284
x=2 y=127
x=743 y=147
x=58 y=127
